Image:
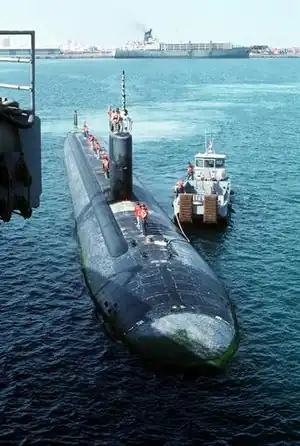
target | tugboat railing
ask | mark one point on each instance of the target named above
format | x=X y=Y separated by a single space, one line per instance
x=16 y=59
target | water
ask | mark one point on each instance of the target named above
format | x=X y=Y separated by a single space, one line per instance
x=62 y=381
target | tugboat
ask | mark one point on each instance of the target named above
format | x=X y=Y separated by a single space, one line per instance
x=206 y=194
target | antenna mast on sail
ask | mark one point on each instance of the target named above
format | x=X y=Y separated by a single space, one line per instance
x=123 y=90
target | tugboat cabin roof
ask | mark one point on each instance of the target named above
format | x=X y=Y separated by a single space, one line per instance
x=210 y=155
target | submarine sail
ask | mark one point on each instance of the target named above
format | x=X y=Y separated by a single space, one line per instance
x=154 y=291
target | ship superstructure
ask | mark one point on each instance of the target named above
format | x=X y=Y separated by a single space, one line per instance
x=151 y=47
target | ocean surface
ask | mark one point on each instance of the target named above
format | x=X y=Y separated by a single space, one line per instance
x=62 y=382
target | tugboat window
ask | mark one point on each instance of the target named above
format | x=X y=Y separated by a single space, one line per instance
x=209 y=163
x=220 y=163
x=199 y=163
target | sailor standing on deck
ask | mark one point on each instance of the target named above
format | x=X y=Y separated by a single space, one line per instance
x=85 y=130
x=125 y=120
x=105 y=164
x=180 y=188
x=97 y=148
x=106 y=167
x=115 y=116
x=103 y=156
x=91 y=140
x=137 y=209
x=190 y=171
x=143 y=214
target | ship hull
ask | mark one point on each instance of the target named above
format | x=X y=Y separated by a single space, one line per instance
x=234 y=53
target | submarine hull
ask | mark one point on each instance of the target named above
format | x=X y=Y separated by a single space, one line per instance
x=156 y=294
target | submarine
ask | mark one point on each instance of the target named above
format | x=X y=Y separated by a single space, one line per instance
x=154 y=292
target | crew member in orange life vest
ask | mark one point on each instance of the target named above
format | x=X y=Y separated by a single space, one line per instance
x=137 y=209
x=96 y=147
x=115 y=120
x=106 y=167
x=111 y=113
x=85 y=130
x=190 y=171
x=179 y=188
x=105 y=163
x=143 y=214
x=103 y=156
x=91 y=141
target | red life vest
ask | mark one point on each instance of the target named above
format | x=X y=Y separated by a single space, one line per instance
x=143 y=213
x=105 y=165
x=137 y=210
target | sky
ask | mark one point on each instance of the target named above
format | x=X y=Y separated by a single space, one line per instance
x=112 y=23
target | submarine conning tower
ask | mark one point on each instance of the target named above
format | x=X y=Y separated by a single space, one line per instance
x=120 y=152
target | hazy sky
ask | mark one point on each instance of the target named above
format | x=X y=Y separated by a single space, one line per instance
x=110 y=23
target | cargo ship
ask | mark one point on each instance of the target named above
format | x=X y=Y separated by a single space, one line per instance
x=151 y=47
